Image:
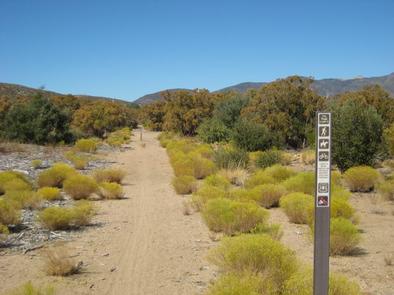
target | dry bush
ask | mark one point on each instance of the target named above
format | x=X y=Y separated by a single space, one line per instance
x=308 y=157
x=230 y=217
x=57 y=218
x=303 y=182
x=386 y=189
x=8 y=213
x=111 y=190
x=59 y=263
x=79 y=161
x=236 y=176
x=361 y=178
x=301 y=283
x=201 y=166
x=279 y=172
x=218 y=181
x=17 y=185
x=258 y=178
x=36 y=164
x=344 y=237
x=165 y=138
x=49 y=193
x=287 y=158
x=30 y=289
x=258 y=254
x=56 y=175
x=273 y=230
x=336 y=178
x=86 y=145
x=297 y=207
x=109 y=175
x=13 y=180
x=80 y=186
x=185 y=184
x=206 y=193
x=24 y=199
x=266 y=195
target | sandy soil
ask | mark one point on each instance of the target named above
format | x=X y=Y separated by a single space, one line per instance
x=141 y=245
x=368 y=267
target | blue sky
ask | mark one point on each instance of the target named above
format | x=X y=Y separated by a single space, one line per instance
x=126 y=49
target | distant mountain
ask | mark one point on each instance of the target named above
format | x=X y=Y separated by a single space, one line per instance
x=148 y=98
x=325 y=87
x=15 y=91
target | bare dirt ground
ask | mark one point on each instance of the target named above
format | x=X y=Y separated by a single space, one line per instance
x=368 y=267
x=141 y=245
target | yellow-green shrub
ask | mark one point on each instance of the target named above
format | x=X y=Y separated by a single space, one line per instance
x=236 y=176
x=111 y=190
x=57 y=218
x=16 y=179
x=86 y=145
x=361 y=178
x=201 y=166
x=109 y=175
x=258 y=178
x=297 y=207
x=303 y=182
x=218 y=181
x=79 y=161
x=24 y=199
x=230 y=217
x=30 y=289
x=340 y=207
x=206 y=193
x=258 y=254
x=273 y=230
x=49 y=193
x=344 y=237
x=3 y=230
x=8 y=213
x=56 y=175
x=386 y=189
x=242 y=284
x=267 y=195
x=279 y=172
x=80 y=186
x=308 y=157
x=301 y=283
x=185 y=184
x=36 y=163
x=164 y=138
x=336 y=178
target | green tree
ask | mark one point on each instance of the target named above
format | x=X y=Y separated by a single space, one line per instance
x=357 y=134
x=229 y=110
x=213 y=130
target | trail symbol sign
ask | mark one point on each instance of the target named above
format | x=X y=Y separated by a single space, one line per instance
x=322 y=204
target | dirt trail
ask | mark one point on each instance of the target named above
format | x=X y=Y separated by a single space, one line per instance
x=141 y=245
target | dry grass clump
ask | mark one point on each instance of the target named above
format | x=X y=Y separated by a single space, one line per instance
x=344 y=237
x=86 y=145
x=258 y=254
x=57 y=218
x=56 y=175
x=206 y=193
x=13 y=180
x=273 y=230
x=59 y=263
x=241 y=284
x=308 y=157
x=297 y=207
x=236 y=176
x=230 y=217
x=258 y=178
x=119 y=137
x=279 y=172
x=218 y=181
x=49 y=193
x=303 y=182
x=185 y=184
x=361 y=178
x=80 y=186
x=228 y=157
x=79 y=161
x=386 y=189
x=111 y=190
x=266 y=195
x=109 y=175
x=301 y=283
x=165 y=138
x=30 y=289
x=9 y=215
x=202 y=167
x=36 y=164
x=24 y=199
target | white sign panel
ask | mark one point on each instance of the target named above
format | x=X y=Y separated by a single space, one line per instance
x=323 y=160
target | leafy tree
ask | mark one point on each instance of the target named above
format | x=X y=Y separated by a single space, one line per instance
x=38 y=121
x=252 y=136
x=357 y=134
x=213 y=130
x=229 y=110
x=152 y=115
x=287 y=107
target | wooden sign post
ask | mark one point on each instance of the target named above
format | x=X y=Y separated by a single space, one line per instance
x=322 y=204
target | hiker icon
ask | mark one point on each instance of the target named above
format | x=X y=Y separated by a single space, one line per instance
x=324 y=131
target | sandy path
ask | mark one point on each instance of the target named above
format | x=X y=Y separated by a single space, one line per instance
x=141 y=245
